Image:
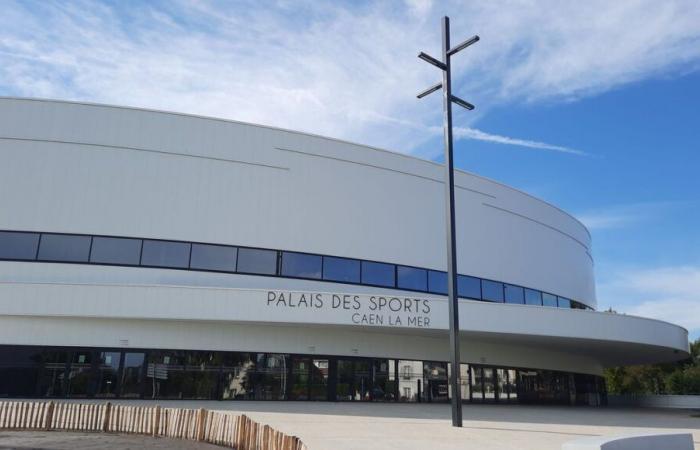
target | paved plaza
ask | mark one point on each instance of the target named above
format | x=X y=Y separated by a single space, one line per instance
x=345 y=426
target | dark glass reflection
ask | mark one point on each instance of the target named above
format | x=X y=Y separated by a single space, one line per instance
x=412 y=278
x=257 y=261
x=15 y=245
x=549 y=300
x=301 y=265
x=378 y=274
x=213 y=257
x=79 y=380
x=563 y=302
x=132 y=373
x=165 y=254
x=19 y=371
x=533 y=297
x=109 y=364
x=514 y=294
x=341 y=269
x=109 y=250
x=469 y=287
x=437 y=282
x=492 y=291
x=577 y=305
x=61 y=247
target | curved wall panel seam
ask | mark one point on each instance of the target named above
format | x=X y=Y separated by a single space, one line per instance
x=148 y=150
x=335 y=158
x=522 y=216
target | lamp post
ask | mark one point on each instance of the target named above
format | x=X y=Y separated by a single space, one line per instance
x=448 y=99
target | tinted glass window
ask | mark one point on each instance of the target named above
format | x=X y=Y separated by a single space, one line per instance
x=341 y=269
x=533 y=297
x=110 y=250
x=514 y=294
x=213 y=257
x=469 y=287
x=60 y=247
x=412 y=278
x=379 y=274
x=165 y=254
x=577 y=305
x=564 y=302
x=301 y=265
x=437 y=282
x=18 y=245
x=491 y=291
x=253 y=260
x=549 y=300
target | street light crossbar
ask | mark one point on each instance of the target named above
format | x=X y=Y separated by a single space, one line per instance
x=463 y=45
x=463 y=103
x=426 y=57
x=430 y=90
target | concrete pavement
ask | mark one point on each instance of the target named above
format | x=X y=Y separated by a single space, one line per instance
x=346 y=426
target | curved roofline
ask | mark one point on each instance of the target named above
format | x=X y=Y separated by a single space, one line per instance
x=305 y=133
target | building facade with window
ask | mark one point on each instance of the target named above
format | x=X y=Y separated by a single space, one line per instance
x=146 y=254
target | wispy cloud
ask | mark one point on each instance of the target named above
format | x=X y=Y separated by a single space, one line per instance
x=626 y=215
x=473 y=133
x=665 y=293
x=338 y=69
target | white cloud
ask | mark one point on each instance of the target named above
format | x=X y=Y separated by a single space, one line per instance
x=666 y=293
x=606 y=220
x=622 y=216
x=473 y=133
x=339 y=70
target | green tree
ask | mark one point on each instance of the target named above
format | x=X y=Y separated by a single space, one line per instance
x=682 y=377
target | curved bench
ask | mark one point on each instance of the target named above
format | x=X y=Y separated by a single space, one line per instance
x=648 y=441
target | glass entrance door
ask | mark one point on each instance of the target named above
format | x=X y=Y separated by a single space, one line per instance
x=299 y=382
x=363 y=380
x=435 y=375
x=489 y=385
x=477 y=380
x=319 y=379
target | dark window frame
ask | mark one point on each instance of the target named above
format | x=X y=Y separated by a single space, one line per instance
x=303 y=254
x=398 y=286
x=502 y=290
x=276 y=272
x=51 y=260
x=35 y=252
x=391 y=266
x=186 y=243
x=235 y=259
x=105 y=263
x=325 y=264
x=278 y=266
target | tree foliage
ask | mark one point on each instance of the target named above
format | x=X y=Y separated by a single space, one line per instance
x=682 y=377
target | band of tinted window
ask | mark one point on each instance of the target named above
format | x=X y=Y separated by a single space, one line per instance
x=124 y=251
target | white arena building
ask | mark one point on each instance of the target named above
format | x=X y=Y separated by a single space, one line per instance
x=148 y=254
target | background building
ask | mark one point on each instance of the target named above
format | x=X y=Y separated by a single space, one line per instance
x=149 y=254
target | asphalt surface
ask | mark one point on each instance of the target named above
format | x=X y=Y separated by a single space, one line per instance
x=59 y=440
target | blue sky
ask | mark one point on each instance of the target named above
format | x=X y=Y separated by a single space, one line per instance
x=592 y=106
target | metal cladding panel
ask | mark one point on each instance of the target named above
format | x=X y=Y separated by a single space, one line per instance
x=70 y=167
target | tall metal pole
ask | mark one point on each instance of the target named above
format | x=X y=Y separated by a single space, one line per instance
x=451 y=233
x=452 y=295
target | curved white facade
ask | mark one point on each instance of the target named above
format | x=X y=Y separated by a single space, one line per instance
x=108 y=171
